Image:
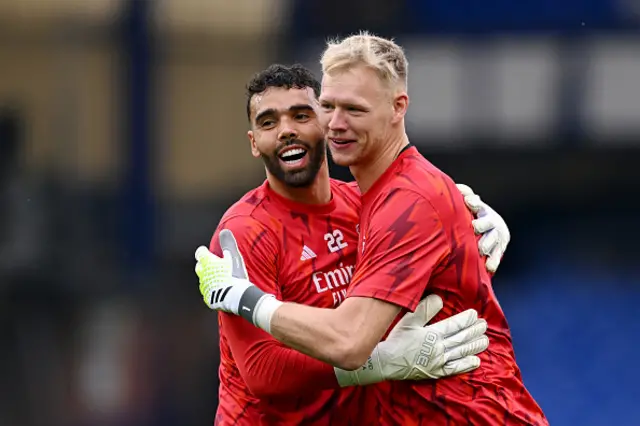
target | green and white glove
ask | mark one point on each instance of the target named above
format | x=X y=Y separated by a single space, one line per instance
x=416 y=351
x=225 y=286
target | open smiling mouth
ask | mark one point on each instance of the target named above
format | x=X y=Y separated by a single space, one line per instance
x=293 y=156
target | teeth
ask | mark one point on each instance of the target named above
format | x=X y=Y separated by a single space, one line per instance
x=292 y=152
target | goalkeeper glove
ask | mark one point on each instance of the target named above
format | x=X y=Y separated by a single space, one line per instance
x=494 y=230
x=413 y=351
x=224 y=284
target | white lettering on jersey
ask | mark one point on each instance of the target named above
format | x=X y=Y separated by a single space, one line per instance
x=335 y=281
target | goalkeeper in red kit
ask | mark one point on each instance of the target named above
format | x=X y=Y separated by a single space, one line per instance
x=298 y=232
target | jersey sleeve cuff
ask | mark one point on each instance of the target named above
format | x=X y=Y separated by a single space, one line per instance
x=386 y=296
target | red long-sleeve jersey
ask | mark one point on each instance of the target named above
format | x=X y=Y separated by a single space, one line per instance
x=416 y=237
x=303 y=254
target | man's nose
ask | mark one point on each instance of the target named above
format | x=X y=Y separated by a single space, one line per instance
x=337 y=122
x=287 y=132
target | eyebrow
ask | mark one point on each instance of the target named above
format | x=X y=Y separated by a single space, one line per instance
x=273 y=111
x=352 y=103
x=349 y=101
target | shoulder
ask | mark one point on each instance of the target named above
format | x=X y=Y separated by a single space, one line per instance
x=419 y=191
x=415 y=179
x=250 y=203
x=413 y=194
x=345 y=186
x=348 y=191
x=418 y=173
x=250 y=221
x=253 y=209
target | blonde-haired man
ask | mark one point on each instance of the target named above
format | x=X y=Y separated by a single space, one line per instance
x=363 y=103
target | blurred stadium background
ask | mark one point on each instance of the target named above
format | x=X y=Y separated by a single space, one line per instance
x=122 y=141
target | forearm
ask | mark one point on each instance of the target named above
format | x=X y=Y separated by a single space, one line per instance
x=312 y=331
x=343 y=337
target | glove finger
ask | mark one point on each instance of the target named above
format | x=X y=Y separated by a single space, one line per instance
x=426 y=310
x=493 y=261
x=466 y=335
x=452 y=325
x=204 y=291
x=488 y=242
x=199 y=269
x=474 y=203
x=230 y=249
x=202 y=252
x=410 y=319
x=431 y=305
x=483 y=224
x=462 y=365
x=473 y=347
x=464 y=189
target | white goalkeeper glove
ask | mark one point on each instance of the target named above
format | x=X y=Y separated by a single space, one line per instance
x=224 y=284
x=413 y=351
x=494 y=230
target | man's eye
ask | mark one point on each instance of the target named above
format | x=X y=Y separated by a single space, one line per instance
x=302 y=116
x=267 y=123
x=326 y=106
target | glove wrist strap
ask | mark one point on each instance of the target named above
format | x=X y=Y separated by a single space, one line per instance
x=369 y=373
x=264 y=310
x=248 y=301
x=258 y=307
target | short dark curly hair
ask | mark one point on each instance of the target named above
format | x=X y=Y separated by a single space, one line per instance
x=277 y=75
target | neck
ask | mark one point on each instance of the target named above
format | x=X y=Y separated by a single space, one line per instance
x=319 y=192
x=369 y=171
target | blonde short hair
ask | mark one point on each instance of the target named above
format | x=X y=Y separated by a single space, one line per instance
x=383 y=56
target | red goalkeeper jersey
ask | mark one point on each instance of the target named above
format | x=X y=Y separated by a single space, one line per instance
x=416 y=237
x=304 y=254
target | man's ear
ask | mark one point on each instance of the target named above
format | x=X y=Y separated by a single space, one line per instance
x=252 y=141
x=400 y=106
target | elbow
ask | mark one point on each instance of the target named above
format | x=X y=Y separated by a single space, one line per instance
x=263 y=390
x=265 y=382
x=271 y=388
